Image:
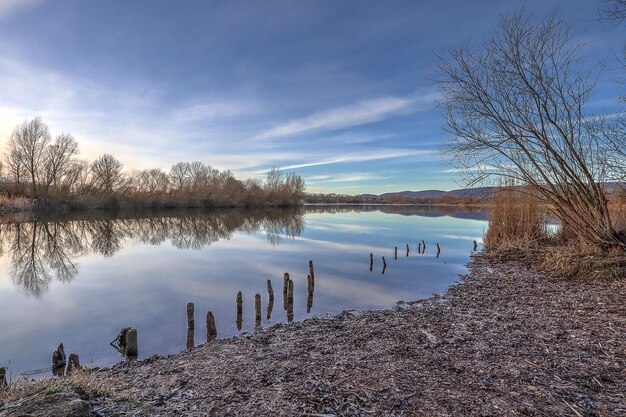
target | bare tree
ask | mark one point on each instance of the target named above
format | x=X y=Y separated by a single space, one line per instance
x=179 y=176
x=516 y=109
x=27 y=146
x=107 y=175
x=614 y=10
x=15 y=164
x=198 y=176
x=58 y=160
x=152 y=181
x=77 y=178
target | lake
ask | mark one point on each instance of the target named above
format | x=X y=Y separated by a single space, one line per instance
x=80 y=280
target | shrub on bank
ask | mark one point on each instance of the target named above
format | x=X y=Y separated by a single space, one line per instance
x=519 y=229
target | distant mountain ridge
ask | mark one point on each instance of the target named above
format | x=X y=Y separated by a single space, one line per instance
x=479 y=192
x=462 y=193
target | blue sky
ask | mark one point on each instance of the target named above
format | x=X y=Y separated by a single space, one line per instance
x=334 y=90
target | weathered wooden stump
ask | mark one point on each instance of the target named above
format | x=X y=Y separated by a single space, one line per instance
x=257 y=310
x=423 y=246
x=3 y=377
x=311 y=271
x=58 y=361
x=73 y=364
x=285 y=283
x=371 y=262
x=190 y=316
x=290 y=301
x=191 y=342
x=211 y=328
x=438 y=249
x=384 y=263
x=239 y=310
x=131 y=349
x=395 y=253
x=475 y=246
x=270 y=291
x=419 y=248
x=270 y=303
x=310 y=289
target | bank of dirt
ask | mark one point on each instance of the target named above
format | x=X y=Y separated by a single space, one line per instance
x=506 y=341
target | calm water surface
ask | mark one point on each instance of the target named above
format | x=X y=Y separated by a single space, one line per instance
x=79 y=281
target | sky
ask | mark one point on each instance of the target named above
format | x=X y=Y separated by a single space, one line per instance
x=337 y=91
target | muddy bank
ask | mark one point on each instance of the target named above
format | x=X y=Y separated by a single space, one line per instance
x=506 y=341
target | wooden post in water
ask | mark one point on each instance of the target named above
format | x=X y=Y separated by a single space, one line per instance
x=290 y=301
x=257 y=310
x=384 y=265
x=73 y=363
x=239 y=310
x=475 y=246
x=190 y=338
x=270 y=303
x=286 y=280
x=211 y=328
x=371 y=261
x=285 y=284
x=3 y=377
x=59 y=361
x=309 y=298
x=423 y=246
x=419 y=247
x=131 y=343
x=438 y=249
x=395 y=253
x=407 y=249
x=191 y=325
x=190 y=316
x=311 y=272
x=270 y=291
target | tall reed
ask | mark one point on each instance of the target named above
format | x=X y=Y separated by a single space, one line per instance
x=517 y=221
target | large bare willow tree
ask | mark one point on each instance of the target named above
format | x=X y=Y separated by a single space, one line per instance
x=517 y=107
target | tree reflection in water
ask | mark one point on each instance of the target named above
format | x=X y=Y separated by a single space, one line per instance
x=46 y=249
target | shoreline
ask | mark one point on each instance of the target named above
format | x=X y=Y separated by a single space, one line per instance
x=505 y=340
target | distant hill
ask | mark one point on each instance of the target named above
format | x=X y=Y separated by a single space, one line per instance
x=467 y=195
x=479 y=192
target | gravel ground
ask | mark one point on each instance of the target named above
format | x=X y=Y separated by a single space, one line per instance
x=506 y=341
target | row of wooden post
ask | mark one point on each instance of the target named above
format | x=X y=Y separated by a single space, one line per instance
x=421 y=249
x=288 y=305
x=127 y=340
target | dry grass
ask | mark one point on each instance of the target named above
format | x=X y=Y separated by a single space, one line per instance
x=85 y=381
x=517 y=223
x=15 y=203
x=618 y=212
x=518 y=229
x=573 y=260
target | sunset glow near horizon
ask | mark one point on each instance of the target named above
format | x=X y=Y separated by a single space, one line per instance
x=335 y=91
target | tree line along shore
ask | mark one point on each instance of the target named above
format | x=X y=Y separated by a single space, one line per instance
x=45 y=173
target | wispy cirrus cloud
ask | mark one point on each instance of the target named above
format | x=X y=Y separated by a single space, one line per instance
x=361 y=113
x=373 y=155
x=346 y=177
x=364 y=156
